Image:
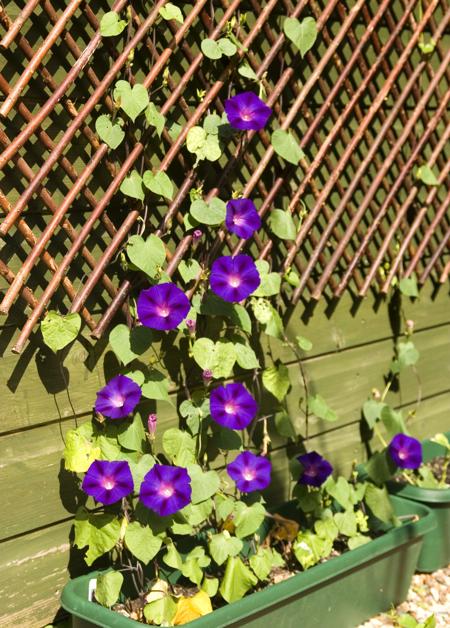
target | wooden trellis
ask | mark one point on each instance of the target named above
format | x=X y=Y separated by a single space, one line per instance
x=366 y=104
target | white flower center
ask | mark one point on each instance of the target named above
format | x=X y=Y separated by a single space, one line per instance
x=117 y=401
x=164 y=311
x=246 y=115
x=402 y=454
x=238 y=220
x=234 y=281
x=248 y=474
x=108 y=483
x=230 y=408
x=166 y=490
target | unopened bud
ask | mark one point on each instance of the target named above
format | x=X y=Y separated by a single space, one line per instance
x=207 y=376
x=151 y=424
x=191 y=324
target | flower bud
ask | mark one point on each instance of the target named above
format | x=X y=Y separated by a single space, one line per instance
x=207 y=377
x=151 y=425
x=191 y=324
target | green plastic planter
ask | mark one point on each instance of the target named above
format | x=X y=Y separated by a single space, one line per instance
x=435 y=551
x=341 y=592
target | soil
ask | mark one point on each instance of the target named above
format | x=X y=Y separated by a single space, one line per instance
x=429 y=594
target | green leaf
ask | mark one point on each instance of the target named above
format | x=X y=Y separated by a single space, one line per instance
x=283 y=425
x=195 y=514
x=158 y=183
x=340 y=490
x=179 y=447
x=132 y=434
x=302 y=34
x=346 y=522
x=427 y=47
x=141 y=542
x=204 y=484
x=147 y=255
x=194 y=563
x=292 y=277
x=111 y=24
x=408 y=286
x=286 y=146
x=309 y=548
x=129 y=344
x=204 y=145
x=100 y=532
x=155 y=118
x=393 y=422
x=318 y=406
x=172 y=558
x=161 y=612
x=211 y=49
x=212 y=305
x=108 y=587
x=227 y=47
x=132 y=186
x=209 y=214
x=59 y=330
x=218 y=357
x=270 y=282
x=248 y=519
x=154 y=384
x=377 y=499
x=189 y=269
x=275 y=379
x=140 y=469
x=237 y=580
x=109 y=132
x=372 y=411
x=210 y=586
x=267 y=315
x=133 y=100
x=408 y=355
x=357 y=541
x=263 y=561
x=282 y=224
x=326 y=529
x=171 y=12
x=247 y=72
x=79 y=450
x=426 y=175
x=380 y=467
x=223 y=545
x=245 y=356
x=304 y=343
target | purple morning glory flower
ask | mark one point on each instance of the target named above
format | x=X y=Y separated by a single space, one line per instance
x=250 y=472
x=405 y=451
x=232 y=406
x=242 y=217
x=166 y=489
x=108 y=481
x=315 y=469
x=234 y=278
x=118 y=398
x=247 y=112
x=162 y=307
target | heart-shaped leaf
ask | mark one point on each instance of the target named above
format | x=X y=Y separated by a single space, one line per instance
x=132 y=186
x=158 y=183
x=275 y=379
x=217 y=357
x=109 y=132
x=204 y=484
x=111 y=24
x=302 y=34
x=148 y=255
x=286 y=146
x=211 y=49
x=171 y=12
x=58 y=331
x=282 y=224
x=155 y=118
x=223 y=545
x=133 y=100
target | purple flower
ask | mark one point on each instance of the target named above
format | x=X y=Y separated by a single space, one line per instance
x=232 y=406
x=191 y=325
x=197 y=235
x=242 y=217
x=234 y=278
x=166 y=489
x=162 y=307
x=405 y=451
x=108 y=481
x=315 y=469
x=151 y=425
x=247 y=112
x=118 y=398
x=250 y=472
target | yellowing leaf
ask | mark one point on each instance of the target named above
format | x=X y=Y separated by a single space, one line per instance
x=190 y=608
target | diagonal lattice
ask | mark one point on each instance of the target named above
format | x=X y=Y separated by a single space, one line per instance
x=366 y=104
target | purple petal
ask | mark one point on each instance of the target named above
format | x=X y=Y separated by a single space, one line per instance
x=118 y=398
x=108 y=481
x=234 y=278
x=315 y=469
x=250 y=472
x=232 y=406
x=246 y=111
x=405 y=451
x=162 y=307
x=242 y=217
x=166 y=489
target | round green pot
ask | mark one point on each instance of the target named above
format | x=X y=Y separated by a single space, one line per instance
x=342 y=592
x=435 y=552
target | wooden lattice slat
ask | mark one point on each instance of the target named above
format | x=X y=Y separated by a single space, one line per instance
x=366 y=106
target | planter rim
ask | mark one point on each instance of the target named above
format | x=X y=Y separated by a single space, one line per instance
x=73 y=599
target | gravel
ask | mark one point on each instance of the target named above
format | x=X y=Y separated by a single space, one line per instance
x=429 y=594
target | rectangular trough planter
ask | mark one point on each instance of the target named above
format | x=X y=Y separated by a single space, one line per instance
x=342 y=592
x=435 y=552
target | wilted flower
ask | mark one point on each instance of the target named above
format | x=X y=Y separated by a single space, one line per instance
x=197 y=235
x=250 y=472
x=234 y=278
x=166 y=489
x=315 y=469
x=405 y=451
x=242 y=217
x=151 y=425
x=232 y=406
x=162 y=307
x=247 y=112
x=108 y=481
x=118 y=398
x=207 y=376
